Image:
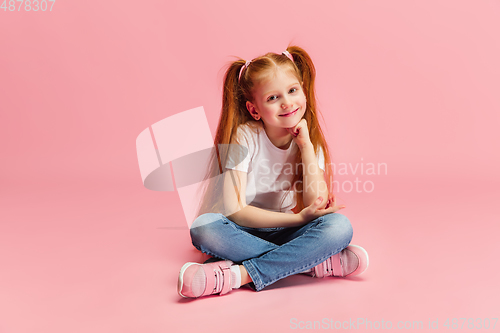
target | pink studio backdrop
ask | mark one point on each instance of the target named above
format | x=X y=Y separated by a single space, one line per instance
x=85 y=247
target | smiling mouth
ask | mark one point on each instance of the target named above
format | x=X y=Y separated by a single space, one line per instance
x=288 y=114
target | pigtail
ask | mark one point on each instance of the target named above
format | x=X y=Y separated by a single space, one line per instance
x=230 y=118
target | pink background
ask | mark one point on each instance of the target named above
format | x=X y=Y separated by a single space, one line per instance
x=85 y=247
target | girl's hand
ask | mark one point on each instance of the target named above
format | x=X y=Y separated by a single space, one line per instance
x=312 y=212
x=300 y=133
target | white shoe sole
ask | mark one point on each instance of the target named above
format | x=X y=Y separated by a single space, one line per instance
x=367 y=258
x=180 y=283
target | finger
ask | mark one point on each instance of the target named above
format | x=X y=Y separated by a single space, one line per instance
x=337 y=208
x=328 y=211
x=330 y=200
x=291 y=131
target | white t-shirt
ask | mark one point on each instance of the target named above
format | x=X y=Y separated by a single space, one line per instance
x=269 y=169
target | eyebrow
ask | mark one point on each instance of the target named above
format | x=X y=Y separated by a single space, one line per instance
x=272 y=91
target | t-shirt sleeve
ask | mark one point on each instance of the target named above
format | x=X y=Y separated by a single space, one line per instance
x=321 y=159
x=240 y=155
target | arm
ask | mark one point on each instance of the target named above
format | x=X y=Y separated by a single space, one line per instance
x=250 y=216
x=314 y=184
x=254 y=217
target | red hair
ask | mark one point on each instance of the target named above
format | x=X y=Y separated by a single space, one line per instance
x=234 y=113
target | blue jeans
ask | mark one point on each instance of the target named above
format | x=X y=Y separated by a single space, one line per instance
x=271 y=254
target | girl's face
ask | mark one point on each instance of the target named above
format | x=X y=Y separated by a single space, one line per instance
x=280 y=102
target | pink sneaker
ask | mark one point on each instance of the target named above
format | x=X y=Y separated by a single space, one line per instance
x=197 y=280
x=353 y=260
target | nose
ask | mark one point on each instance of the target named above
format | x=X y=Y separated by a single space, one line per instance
x=286 y=103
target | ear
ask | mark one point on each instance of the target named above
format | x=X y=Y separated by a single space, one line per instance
x=251 y=108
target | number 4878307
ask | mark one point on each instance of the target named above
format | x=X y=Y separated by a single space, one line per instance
x=27 y=5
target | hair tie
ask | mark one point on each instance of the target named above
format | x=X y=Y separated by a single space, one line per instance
x=243 y=67
x=288 y=55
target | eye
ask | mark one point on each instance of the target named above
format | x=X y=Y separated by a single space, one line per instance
x=293 y=90
x=271 y=98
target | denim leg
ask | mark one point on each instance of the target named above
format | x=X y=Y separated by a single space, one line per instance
x=270 y=254
x=218 y=236
x=322 y=238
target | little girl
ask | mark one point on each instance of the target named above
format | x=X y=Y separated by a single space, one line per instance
x=267 y=217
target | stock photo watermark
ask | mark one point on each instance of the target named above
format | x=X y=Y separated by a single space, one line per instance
x=268 y=175
x=367 y=324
